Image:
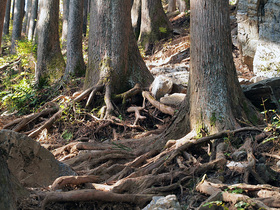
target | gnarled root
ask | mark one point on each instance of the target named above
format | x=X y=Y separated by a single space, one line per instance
x=91 y=194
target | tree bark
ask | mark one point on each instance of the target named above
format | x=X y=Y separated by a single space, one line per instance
x=50 y=63
x=114 y=58
x=171 y=5
x=182 y=5
x=65 y=23
x=13 y=9
x=27 y=16
x=33 y=19
x=85 y=17
x=2 y=15
x=154 y=24
x=75 y=63
x=7 y=18
x=17 y=23
x=214 y=100
x=136 y=17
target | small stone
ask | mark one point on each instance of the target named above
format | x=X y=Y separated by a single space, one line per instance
x=239 y=155
x=163 y=203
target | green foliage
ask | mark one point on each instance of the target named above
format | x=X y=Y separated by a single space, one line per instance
x=235 y=190
x=163 y=30
x=241 y=205
x=67 y=135
x=19 y=97
x=215 y=203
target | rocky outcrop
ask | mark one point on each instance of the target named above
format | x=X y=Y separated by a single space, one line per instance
x=31 y=164
x=259 y=35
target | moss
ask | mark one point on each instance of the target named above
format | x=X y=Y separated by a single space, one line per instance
x=213 y=119
x=55 y=69
x=105 y=69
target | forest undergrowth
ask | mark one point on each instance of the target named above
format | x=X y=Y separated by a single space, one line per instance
x=117 y=162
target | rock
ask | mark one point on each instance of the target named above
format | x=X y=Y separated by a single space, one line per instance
x=267 y=90
x=31 y=164
x=161 y=85
x=169 y=202
x=174 y=99
x=259 y=35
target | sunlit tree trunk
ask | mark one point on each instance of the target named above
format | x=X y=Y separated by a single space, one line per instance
x=136 y=17
x=17 y=23
x=154 y=24
x=2 y=16
x=50 y=63
x=33 y=19
x=171 y=5
x=182 y=5
x=27 y=16
x=7 y=18
x=114 y=58
x=75 y=63
x=65 y=23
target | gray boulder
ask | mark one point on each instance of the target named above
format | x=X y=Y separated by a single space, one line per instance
x=169 y=202
x=267 y=90
x=31 y=164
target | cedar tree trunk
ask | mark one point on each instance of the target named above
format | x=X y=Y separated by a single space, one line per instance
x=182 y=5
x=75 y=63
x=27 y=16
x=7 y=18
x=85 y=17
x=215 y=100
x=17 y=23
x=33 y=19
x=171 y=5
x=50 y=63
x=114 y=58
x=65 y=23
x=136 y=17
x=2 y=15
x=154 y=24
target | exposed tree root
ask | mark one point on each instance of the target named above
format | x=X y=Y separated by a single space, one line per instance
x=89 y=195
x=160 y=106
x=207 y=188
x=62 y=181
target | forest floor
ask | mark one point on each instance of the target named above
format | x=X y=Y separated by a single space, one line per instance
x=247 y=155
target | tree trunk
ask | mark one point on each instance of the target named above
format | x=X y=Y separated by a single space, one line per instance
x=33 y=19
x=85 y=17
x=182 y=5
x=7 y=18
x=13 y=9
x=215 y=100
x=65 y=23
x=75 y=63
x=154 y=24
x=114 y=58
x=50 y=63
x=27 y=16
x=136 y=17
x=17 y=23
x=171 y=6
x=2 y=15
